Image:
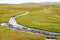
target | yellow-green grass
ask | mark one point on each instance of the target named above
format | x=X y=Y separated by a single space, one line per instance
x=6 y=16
x=8 y=34
x=46 y=18
x=6 y=11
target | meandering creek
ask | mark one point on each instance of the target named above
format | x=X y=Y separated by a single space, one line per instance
x=12 y=24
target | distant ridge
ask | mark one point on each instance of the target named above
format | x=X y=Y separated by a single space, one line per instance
x=36 y=3
x=42 y=3
x=49 y=3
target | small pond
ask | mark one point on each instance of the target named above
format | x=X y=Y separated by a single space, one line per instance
x=51 y=38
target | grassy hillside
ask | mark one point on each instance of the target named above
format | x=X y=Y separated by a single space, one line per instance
x=46 y=18
x=39 y=17
x=6 y=11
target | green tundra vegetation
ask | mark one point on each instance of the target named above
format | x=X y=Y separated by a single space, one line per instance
x=44 y=17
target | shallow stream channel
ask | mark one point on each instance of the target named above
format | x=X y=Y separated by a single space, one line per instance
x=12 y=24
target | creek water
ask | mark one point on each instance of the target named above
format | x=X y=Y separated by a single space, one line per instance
x=17 y=26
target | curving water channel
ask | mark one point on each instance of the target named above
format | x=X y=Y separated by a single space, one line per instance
x=12 y=24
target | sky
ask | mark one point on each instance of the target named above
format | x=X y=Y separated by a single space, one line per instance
x=26 y=1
